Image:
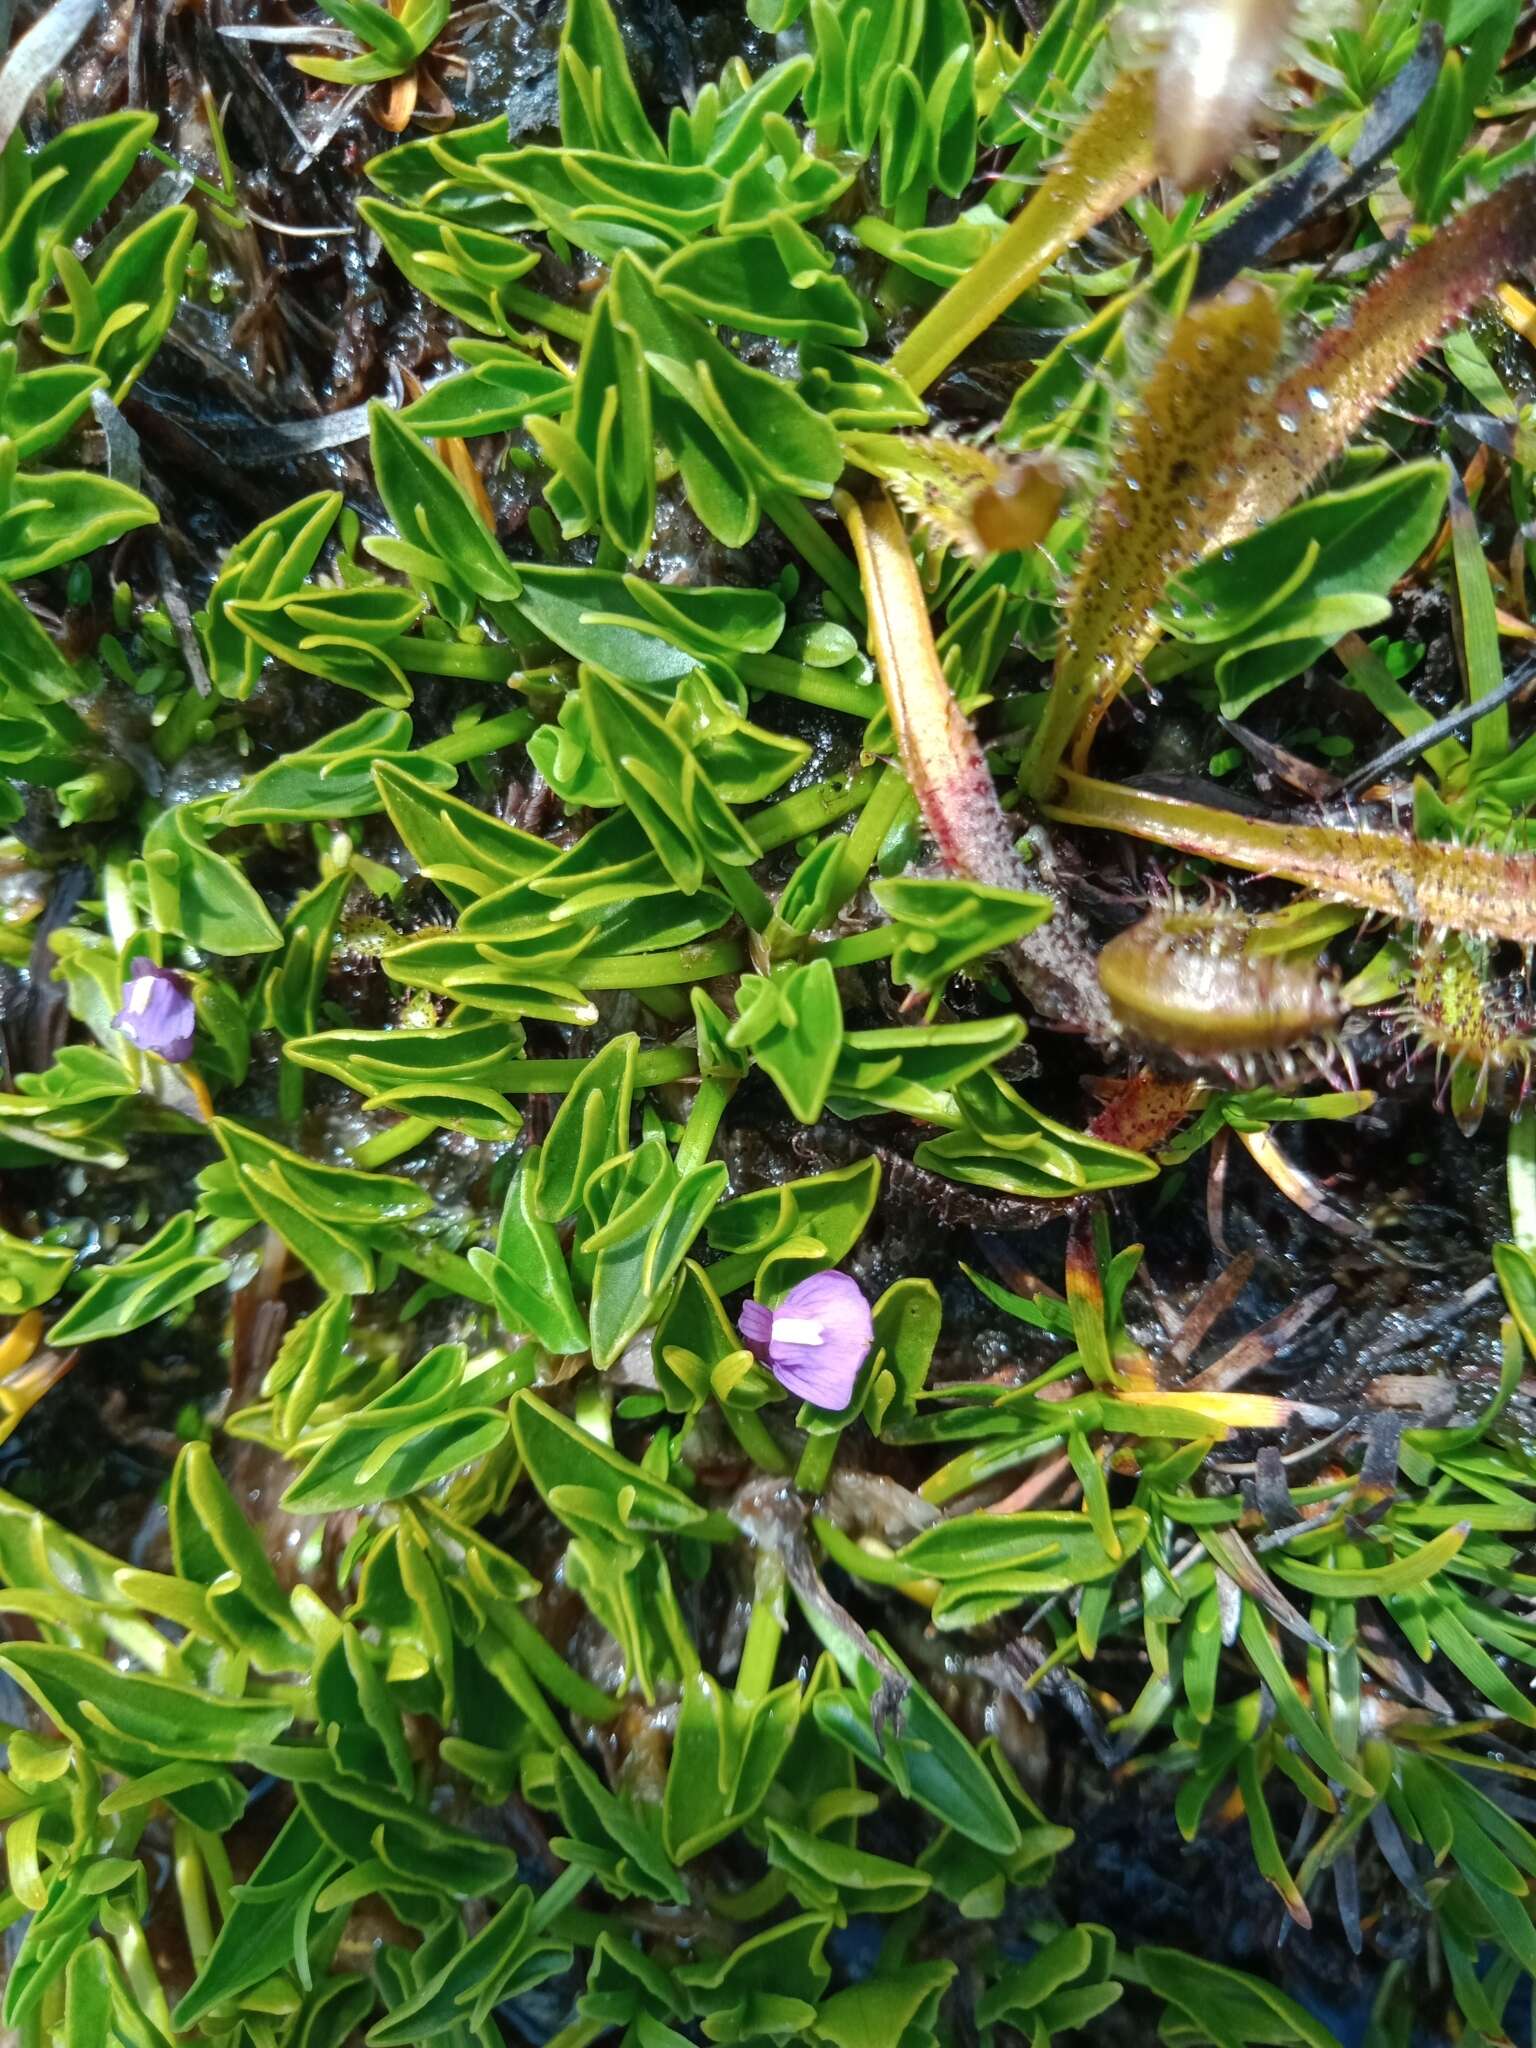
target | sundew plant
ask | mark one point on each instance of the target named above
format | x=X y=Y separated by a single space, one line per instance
x=767 y=1226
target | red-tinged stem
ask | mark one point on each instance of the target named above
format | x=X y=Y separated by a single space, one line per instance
x=1454 y=888
x=948 y=772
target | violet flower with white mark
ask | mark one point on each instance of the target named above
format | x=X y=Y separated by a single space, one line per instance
x=157 y=1013
x=815 y=1341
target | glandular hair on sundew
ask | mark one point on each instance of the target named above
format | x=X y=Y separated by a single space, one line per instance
x=1188 y=983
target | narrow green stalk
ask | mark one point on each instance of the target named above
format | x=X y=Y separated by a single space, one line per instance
x=217 y=1865
x=580 y=2033
x=822 y=687
x=816 y=1462
x=290 y=1090
x=492 y=661
x=386 y=1145
x=658 y=1063
x=551 y=1671
x=550 y=1903
x=809 y=809
x=755 y=1438
x=469 y=742
x=544 y=312
x=680 y=963
x=819 y=549
x=892 y=798
x=878 y=943
x=752 y=906
x=192 y=1891
x=704 y=1114
x=139 y=1969
x=765 y=1630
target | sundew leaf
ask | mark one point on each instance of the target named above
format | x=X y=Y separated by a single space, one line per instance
x=1177 y=472
x=1352 y=369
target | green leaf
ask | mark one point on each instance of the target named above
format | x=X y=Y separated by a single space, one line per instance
x=31 y=1274
x=503 y=1961
x=587 y=1482
x=792 y=1024
x=590 y=1128
x=153 y=1281
x=198 y=894
x=133 y=1717
x=271 y=562
x=770 y=278
x=330 y=1217
x=54 y=194
x=213 y=1545
x=1007 y=1145
x=430 y=510
x=662 y=782
x=599 y=107
x=291 y=994
x=438 y=1417
x=334 y=778
x=726 y=1754
x=526 y=1272
x=121 y=306
x=269 y=1924
x=38 y=407
x=60 y=514
x=455 y=263
x=447 y=1074
x=1227 y=2006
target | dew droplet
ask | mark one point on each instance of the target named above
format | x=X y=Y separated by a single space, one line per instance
x=1287 y=422
x=1318 y=398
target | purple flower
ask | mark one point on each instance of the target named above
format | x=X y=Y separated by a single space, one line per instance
x=815 y=1340
x=157 y=1013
